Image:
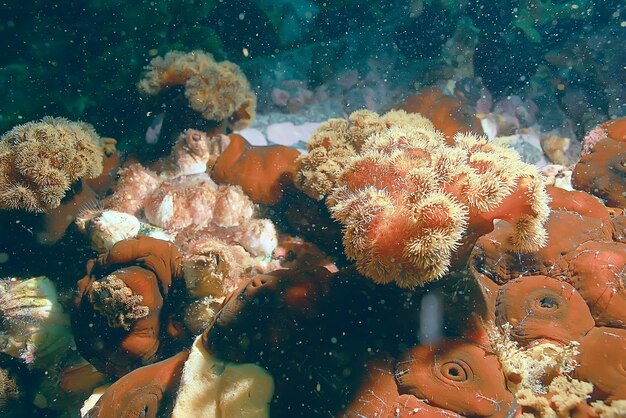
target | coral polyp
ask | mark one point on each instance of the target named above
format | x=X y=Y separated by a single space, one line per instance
x=411 y=200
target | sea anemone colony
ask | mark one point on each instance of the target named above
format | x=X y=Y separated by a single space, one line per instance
x=403 y=265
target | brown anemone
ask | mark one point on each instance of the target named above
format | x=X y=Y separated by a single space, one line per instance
x=540 y=307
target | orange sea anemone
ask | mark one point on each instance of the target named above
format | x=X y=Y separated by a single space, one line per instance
x=217 y=90
x=263 y=172
x=141 y=392
x=448 y=114
x=118 y=318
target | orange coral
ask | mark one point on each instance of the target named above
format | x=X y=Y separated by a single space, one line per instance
x=336 y=141
x=410 y=200
x=39 y=161
x=543 y=308
x=263 y=172
x=219 y=91
x=448 y=114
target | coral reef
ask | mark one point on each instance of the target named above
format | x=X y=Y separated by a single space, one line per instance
x=403 y=265
x=39 y=161
x=336 y=141
x=218 y=91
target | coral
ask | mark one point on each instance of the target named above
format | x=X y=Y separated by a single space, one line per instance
x=542 y=308
x=336 y=141
x=39 y=161
x=564 y=398
x=263 y=172
x=527 y=368
x=448 y=114
x=35 y=327
x=602 y=361
x=9 y=390
x=455 y=375
x=114 y=300
x=134 y=185
x=215 y=388
x=219 y=91
x=140 y=393
x=411 y=204
x=601 y=171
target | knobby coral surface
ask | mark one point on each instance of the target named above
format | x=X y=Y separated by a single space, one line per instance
x=412 y=202
x=39 y=161
x=217 y=90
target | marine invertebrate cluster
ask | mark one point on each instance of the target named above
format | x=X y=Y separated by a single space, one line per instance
x=411 y=199
x=336 y=141
x=39 y=161
x=217 y=90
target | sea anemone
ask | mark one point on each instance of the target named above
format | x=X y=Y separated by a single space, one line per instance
x=219 y=91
